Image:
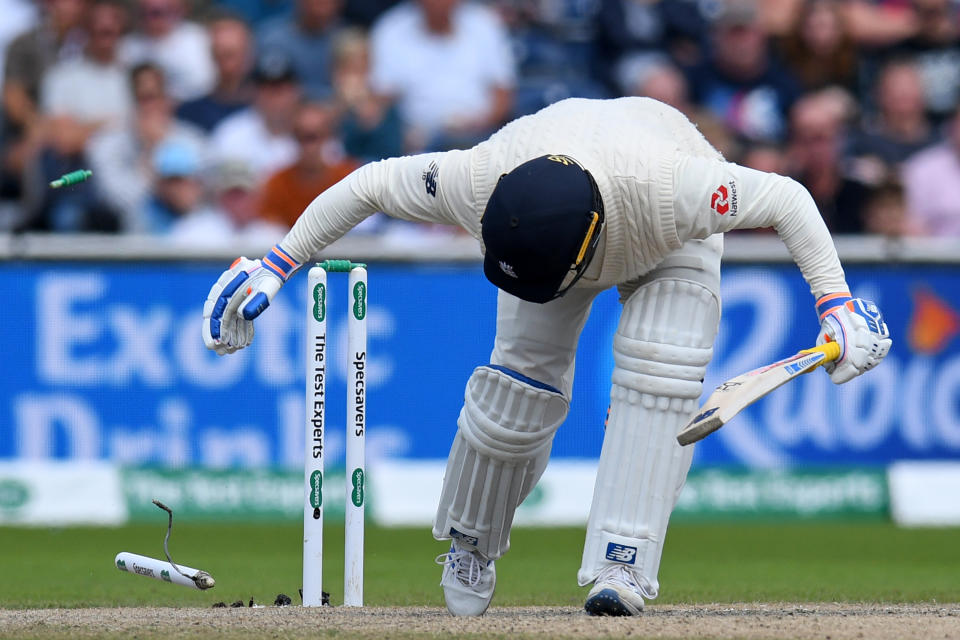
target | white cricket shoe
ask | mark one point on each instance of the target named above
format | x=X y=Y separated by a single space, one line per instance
x=616 y=592
x=468 y=580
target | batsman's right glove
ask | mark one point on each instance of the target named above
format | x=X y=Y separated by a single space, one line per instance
x=858 y=327
x=241 y=294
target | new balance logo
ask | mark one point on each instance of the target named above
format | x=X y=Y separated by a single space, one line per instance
x=430 y=178
x=507 y=269
x=621 y=553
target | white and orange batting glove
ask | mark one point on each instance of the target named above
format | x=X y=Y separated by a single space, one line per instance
x=241 y=294
x=858 y=327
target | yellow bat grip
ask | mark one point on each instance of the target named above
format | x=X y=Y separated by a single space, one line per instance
x=830 y=349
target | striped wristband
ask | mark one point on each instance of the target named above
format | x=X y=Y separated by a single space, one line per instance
x=279 y=263
x=829 y=303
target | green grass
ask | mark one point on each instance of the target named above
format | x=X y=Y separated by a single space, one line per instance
x=866 y=562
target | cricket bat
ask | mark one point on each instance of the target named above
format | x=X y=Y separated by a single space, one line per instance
x=736 y=394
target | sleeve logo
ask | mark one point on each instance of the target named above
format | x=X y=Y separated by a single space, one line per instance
x=430 y=178
x=724 y=199
x=719 y=201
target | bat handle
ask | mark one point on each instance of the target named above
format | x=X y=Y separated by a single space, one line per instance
x=829 y=349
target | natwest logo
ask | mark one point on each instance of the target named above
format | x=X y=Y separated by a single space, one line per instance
x=724 y=200
x=719 y=201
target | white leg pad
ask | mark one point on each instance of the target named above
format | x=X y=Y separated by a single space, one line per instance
x=661 y=350
x=500 y=451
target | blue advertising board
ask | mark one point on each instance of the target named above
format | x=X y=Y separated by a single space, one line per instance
x=105 y=361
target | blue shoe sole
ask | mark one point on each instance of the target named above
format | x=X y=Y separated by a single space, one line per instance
x=606 y=603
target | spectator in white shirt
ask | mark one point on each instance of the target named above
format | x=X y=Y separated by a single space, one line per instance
x=262 y=136
x=180 y=47
x=449 y=64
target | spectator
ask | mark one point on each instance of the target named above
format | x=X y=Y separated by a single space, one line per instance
x=180 y=47
x=654 y=76
x=449 y=64
x=319 y=165
x=177 y=191
x=59 y=36
x=261 y=135
x=886 y=212
x=370 y=125
x=816 y=140
x=900 y=126
x=231 y=48
x=931 y=179
x=122 y=157
x=232 y=219
x=818 y=49
x=78 y=96
x=936 y=50
x=18 y=17
x=741 y=83
x=306 y=38
x=765 y=157
x=626 y=28
x=93 y=88
x=556 y=57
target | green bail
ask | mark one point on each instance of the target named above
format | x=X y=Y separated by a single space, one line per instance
x=340 y=266
x=74 y=177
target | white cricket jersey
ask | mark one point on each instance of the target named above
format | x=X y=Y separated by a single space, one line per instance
x=661 y=182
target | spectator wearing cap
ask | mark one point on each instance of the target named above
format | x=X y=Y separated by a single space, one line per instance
x=306 y=37
x=122 y=157
x=177 y=190
x=231 y=46
x=741 y=82
x=261 y=135
x=232 y=217
x=425 y=54
x=179 y=46
x=319 y=165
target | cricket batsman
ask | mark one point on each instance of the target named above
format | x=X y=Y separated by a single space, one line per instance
x=580 y=197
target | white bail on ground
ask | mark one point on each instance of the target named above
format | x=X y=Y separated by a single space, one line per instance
x=164 y=571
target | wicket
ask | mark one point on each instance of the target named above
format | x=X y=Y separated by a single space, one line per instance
x=316 y=354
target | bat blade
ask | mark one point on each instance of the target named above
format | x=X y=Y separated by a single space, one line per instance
x=736 y=394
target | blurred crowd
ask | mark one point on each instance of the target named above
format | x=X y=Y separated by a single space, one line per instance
x=212 y=122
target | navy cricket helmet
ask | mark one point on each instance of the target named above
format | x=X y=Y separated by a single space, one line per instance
x=541 y=228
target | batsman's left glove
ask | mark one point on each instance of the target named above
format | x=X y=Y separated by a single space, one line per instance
x=241 y=294
x=858 y=327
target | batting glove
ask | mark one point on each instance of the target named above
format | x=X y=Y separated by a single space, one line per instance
x=858 y=327
x=241 y=294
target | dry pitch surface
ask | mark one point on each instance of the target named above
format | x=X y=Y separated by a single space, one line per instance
x=752 y=620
